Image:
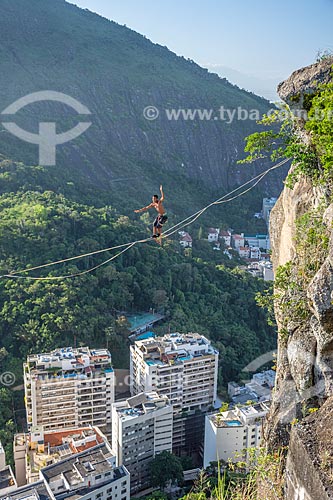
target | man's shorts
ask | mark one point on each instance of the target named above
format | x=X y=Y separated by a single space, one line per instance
x=160 y=220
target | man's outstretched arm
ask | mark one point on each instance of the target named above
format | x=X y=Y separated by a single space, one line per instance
x=143 y=208
x=162 y=194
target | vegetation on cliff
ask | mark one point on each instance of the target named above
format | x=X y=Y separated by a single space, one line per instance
x=304 y=136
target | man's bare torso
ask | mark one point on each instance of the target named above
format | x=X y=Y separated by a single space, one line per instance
x=159 y=207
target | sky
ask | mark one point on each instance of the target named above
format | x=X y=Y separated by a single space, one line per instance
x=260 y=39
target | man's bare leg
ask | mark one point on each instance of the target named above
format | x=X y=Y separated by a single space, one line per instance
x=159 y=239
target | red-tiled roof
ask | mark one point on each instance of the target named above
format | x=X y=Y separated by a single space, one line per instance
x=56 y=438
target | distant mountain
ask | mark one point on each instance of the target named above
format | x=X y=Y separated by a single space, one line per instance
x=264 y=87
x=117 y=73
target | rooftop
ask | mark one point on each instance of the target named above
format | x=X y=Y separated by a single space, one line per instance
x=35 y=491
x=257 y=236
x=146 y=335
x=70 y=353
x=243 y=397
x=74 y=474
x=7 y=478
x=72 y=361
x=141 y=404
x=186 y=237
x=174 y=348
x=53 y=446
x=240 y=416
x=70 y=478
x=261 y=390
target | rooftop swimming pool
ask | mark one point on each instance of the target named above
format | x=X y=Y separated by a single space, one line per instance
x=233 y=423
x=145 y=336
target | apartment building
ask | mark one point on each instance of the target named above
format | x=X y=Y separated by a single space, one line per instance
x=89 y=475
x=37 y=491
x=230 y=434
x=68 y=388
x=258 y=240
x=258 y=389
x=7 y=481
x=183 y=367
x=37 y=449
x=141 y=428
x=267 y=206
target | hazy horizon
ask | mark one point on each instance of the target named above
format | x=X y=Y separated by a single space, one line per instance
x=260 y=43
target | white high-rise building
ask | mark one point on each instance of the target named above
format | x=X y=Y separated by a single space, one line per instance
x=69 y=388
x=230 y=434
x=183 y=367
x=141 y=428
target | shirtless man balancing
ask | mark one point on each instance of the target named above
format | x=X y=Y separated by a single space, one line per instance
x=161 y=217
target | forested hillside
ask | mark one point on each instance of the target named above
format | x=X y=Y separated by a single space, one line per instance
x=37 y=227
x=195 y=293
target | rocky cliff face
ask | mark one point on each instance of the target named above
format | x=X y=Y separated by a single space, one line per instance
x=304 y=388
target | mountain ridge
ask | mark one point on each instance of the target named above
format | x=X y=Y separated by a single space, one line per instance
x=117 y=72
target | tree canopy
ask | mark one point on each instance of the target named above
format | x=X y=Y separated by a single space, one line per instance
x=165 y=467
